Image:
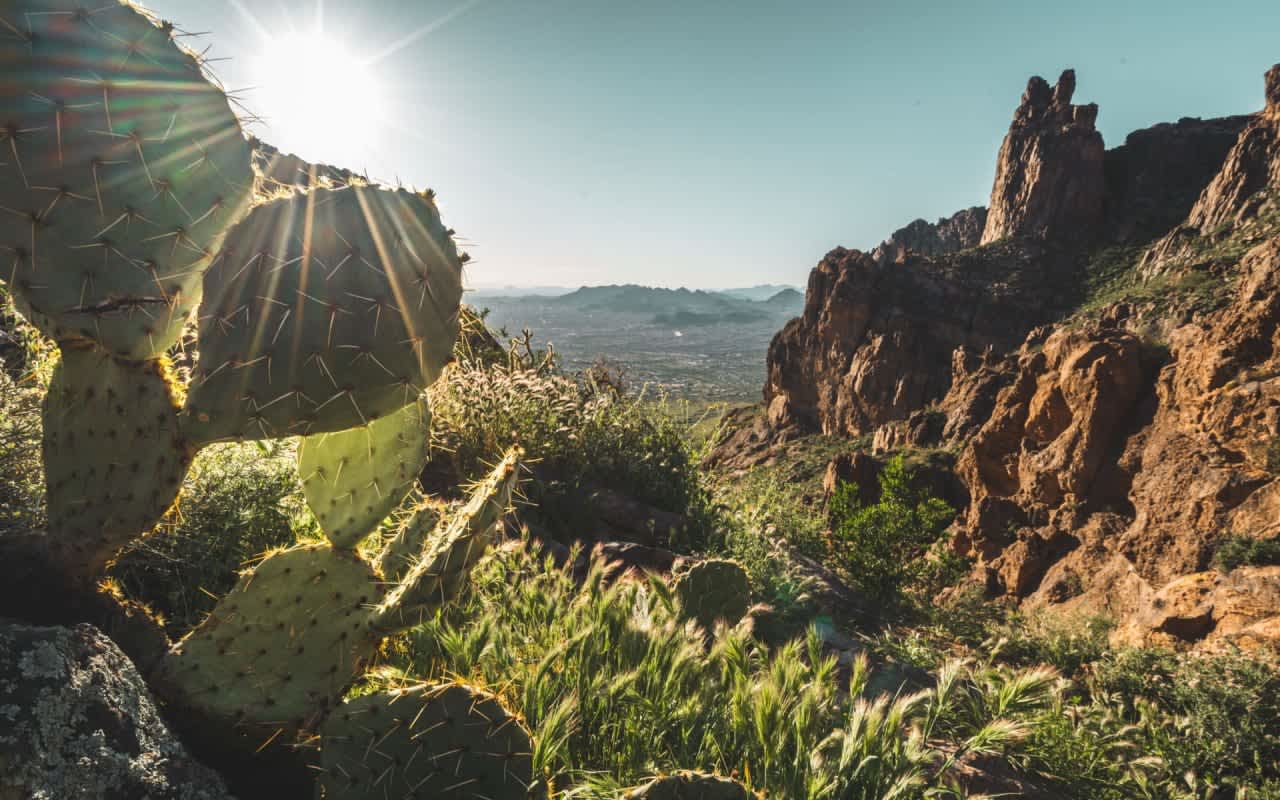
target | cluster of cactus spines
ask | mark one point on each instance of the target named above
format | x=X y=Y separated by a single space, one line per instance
x=353 y=479
x=283 y=646
x=324 y=311
x=457 y=543
x=121 y=167
x=449 y=741
x=690 y=786
x=114 y=458
x=715 y=590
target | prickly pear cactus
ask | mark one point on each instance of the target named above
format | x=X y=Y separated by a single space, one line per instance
x=690 y=786
x=121 y=167
x=114 y=458
x=401 y=553
x=353 y=479
x=457 y=544
x=448 y=741
x=324 y=312
x=714 y=590
x=284 y=645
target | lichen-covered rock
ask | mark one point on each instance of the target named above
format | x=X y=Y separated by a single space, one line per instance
x=76 y=722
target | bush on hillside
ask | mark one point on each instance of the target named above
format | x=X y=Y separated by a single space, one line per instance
x=579 y=436
x=885 y=548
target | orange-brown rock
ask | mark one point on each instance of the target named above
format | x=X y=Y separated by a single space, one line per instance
x=1049 y=176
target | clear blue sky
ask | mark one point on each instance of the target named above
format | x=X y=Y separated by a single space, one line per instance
x=701 y=143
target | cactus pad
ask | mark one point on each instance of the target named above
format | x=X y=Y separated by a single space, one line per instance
x=452 y=550
x=447 y=741
x=714 y=590
x=405 y=548
x=690 y=786
x=121 y=167
x=355 y=478
x=323 y=312
x=114 y=460
x=284 y=645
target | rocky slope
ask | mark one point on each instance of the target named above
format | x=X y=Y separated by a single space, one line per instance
x=1106 y=366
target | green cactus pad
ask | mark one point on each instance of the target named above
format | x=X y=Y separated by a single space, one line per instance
x=114 y=460
x=121 y=167
x=690 y=786
x=404 y=549
x=323 y=312
x=284 y=645
x=714 y=590
x=448 y=741
x=355 y=478
x=456 y=546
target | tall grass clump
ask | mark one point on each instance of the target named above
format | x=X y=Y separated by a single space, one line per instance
x=616 y=686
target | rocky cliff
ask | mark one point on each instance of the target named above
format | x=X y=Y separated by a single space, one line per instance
x=1106 y=366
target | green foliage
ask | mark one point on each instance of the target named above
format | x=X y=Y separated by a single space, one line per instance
x=1219 y=715
x=577 y=438
x=616 y=687
x=884 y=548
x=21 y=472
x=1246 y=551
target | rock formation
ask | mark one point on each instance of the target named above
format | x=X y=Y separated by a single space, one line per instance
x=959 y=231
x=1106 y=450
x=1049 y=175
x=876 y=337
x=76 y=721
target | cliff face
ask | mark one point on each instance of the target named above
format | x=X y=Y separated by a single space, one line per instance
x=1110 y=441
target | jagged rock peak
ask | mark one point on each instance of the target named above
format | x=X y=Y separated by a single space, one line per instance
x=1049 y=177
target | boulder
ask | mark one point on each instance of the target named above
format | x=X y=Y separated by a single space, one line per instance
x=76 y=721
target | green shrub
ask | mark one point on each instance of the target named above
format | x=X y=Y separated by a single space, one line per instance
x=21 y=471
x=578 y=435
x=1221 y=713
x=885 y=548
x=1245 y=551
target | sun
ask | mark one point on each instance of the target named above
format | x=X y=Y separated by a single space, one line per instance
x=318 y=99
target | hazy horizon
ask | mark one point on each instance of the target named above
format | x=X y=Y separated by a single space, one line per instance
x=585 y=143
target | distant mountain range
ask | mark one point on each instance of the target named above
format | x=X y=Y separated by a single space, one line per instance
x=674 y=307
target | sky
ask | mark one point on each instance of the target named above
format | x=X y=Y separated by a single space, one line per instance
x=704 y=143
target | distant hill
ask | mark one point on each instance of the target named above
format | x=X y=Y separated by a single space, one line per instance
x=787 y=299
x=760 y=293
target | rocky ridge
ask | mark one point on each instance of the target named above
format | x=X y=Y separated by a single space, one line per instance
x=1106 y=366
